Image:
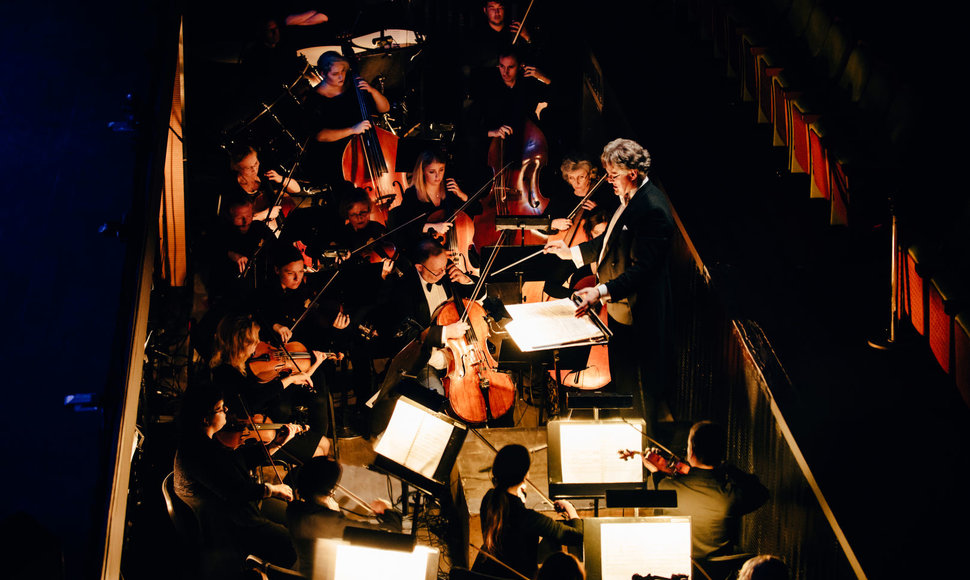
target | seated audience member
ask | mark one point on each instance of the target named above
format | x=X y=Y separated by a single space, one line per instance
x=764 y=567
x=561 y=566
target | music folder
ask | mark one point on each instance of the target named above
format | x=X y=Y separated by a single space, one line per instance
x=553 y=324
x=584 y=459
x=420 y=446
x=618 y=548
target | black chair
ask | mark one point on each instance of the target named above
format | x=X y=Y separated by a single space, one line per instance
x=182 y=516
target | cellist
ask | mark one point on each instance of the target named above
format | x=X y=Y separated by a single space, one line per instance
x=334 y=115
x=411 y=300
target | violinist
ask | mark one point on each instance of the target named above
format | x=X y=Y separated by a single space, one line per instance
x=335 y=113
x=578 y=173
x=413 y=298
x=262 y=189
x=714 y=493
x=214 y=481
x=511 y=531
x=358 y=229
x=283 y=301
x=433 y=194
x=239 y=242
x=632 y=268
x=317 y=514
x=236 y=339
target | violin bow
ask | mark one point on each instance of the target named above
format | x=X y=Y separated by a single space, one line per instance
x=522 y=22
x=486 y=554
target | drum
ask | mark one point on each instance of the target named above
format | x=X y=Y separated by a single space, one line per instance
x=388 y=54
x=387 y=39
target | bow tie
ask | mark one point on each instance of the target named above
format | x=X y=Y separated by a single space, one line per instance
x=430 y=285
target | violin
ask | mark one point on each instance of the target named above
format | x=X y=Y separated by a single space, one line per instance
x=671 y=465
x=369 y=161
x=262 y=429
x=269 y=362
x=476 y=391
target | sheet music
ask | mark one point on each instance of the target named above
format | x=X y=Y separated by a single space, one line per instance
x=543 y=325
x=661 y=548
x=588 y=453
x=415 y=438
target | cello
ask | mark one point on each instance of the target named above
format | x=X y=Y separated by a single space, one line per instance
x=476 y=391
x=369 y=160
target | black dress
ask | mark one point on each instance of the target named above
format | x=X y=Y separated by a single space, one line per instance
x=518 y=542
x=214 y=481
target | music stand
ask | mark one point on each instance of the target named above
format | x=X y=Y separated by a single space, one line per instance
x=344 y=560
x=583 y=458
x=420 y=446
x=622 y=547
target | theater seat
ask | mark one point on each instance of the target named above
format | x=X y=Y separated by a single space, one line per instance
x=913 y=289
x=943 y=299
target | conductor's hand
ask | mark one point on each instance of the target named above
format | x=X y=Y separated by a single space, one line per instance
x=567 y=509
x=587 y=298
x=559 y=248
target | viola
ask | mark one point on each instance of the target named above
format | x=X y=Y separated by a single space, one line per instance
x=666 y=463
x=269 y=362
x=369 y=161
x=262 y=429
x=477 y=392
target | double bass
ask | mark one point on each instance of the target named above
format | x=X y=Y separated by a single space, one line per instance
x=369 y=161
x=515 y=191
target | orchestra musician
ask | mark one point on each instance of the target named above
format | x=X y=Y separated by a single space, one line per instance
x=412 y=299
x=244 y=163
x=316 y=513
x=430 y=191
x=714 y=493
x=578 y=172
x=335 y=114
x=514 y=93
x=631 y=260
x=236 y=339
x=491 y=35
x=214 y=481
x=238 y=243
x=511 y=531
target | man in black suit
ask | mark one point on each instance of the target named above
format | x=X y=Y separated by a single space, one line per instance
x=631 y=261
x=410 y=302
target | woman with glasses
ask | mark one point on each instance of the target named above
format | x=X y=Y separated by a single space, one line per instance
x=214 y=481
